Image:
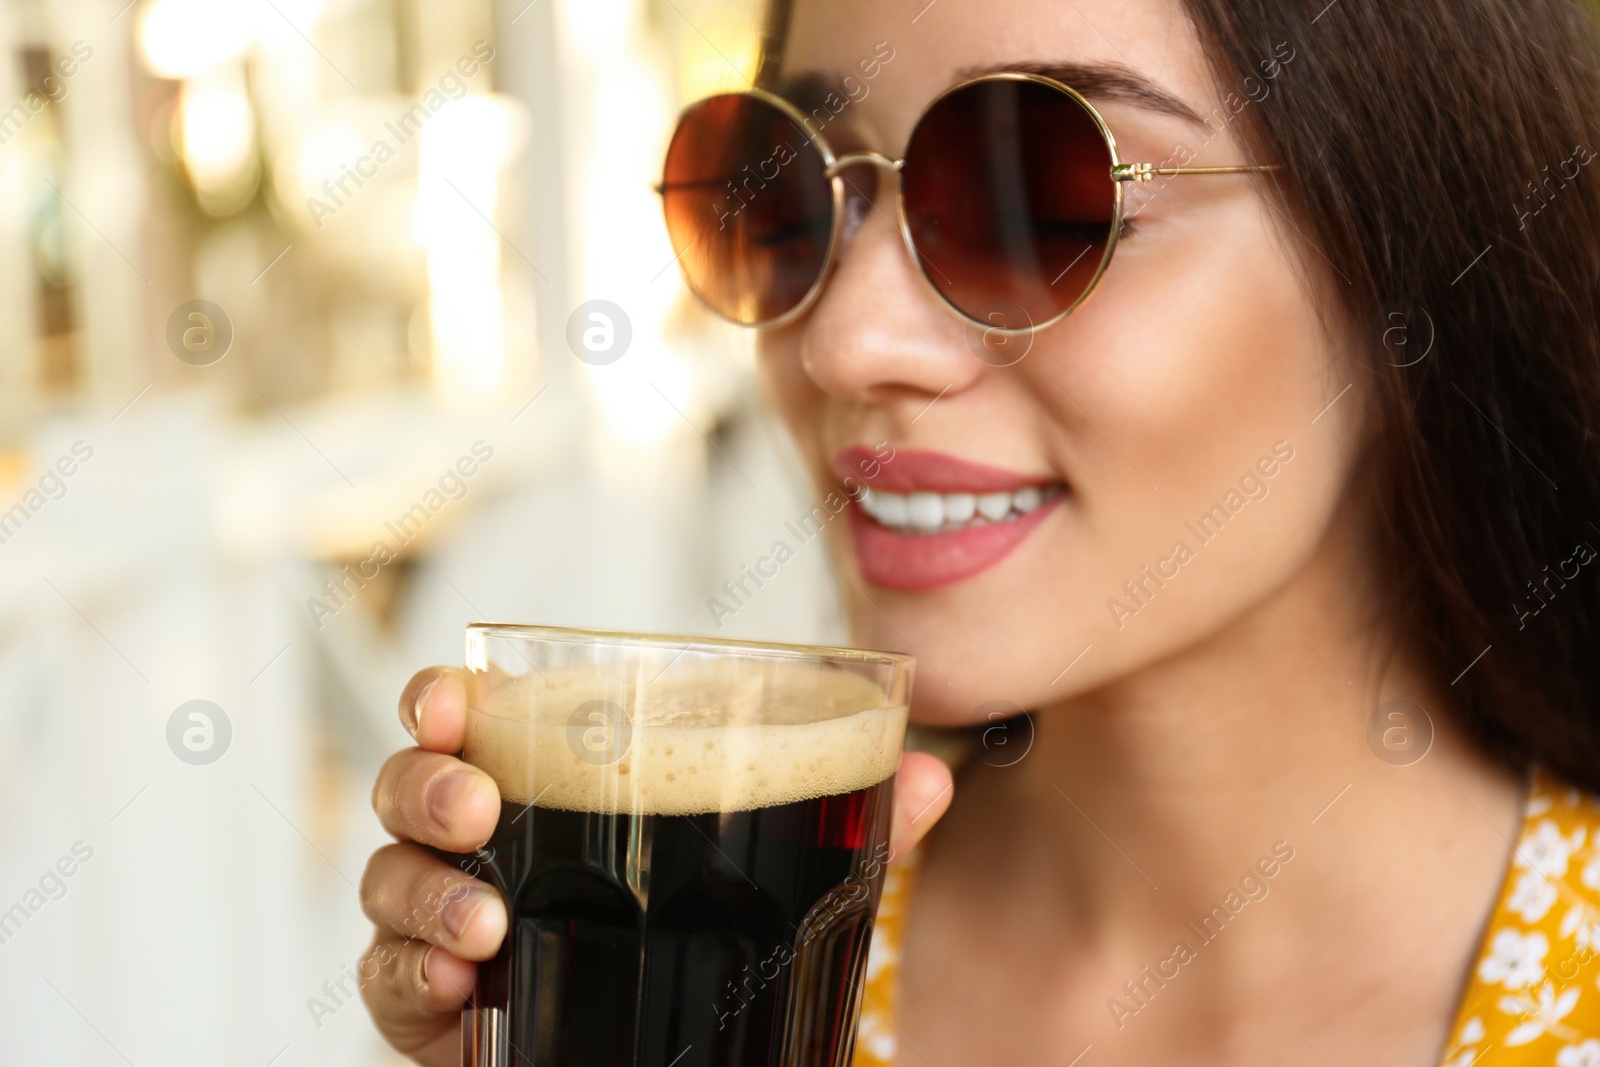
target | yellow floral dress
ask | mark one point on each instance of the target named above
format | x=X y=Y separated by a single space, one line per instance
x=1533 y=996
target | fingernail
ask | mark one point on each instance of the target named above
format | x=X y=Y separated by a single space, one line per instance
x=446 y=793
x=458 y=911
x=413 y=714
x=427 y=965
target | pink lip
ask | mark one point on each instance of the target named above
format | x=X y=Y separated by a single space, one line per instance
x=917 y=563
x=921 y=562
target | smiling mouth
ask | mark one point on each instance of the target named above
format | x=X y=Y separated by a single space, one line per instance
x=921 y=520
x=938 y=513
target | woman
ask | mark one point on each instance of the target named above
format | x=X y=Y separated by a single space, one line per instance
x=1317 y=785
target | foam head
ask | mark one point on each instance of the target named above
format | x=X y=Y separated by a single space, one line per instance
x=713 y=734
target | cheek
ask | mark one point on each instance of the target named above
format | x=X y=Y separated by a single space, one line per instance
x=1195 y=360
x=788 y=390
x=1204 y=330
x=781 y=375
x=1201 y=350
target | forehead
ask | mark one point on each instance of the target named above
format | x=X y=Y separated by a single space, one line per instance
x=903 y=53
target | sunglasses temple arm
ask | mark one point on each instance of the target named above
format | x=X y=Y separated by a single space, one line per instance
x=1144 y=172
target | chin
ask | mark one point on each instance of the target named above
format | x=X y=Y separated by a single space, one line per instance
x=987 y=641
x=971 y=663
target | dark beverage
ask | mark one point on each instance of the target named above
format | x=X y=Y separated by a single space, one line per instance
x=746 y=915
x=696 y=889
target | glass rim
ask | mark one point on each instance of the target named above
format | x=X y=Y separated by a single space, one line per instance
x=688 y=643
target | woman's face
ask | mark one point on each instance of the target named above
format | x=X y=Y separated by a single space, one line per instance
x=1180 y=416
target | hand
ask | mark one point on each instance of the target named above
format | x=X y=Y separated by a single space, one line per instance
x=433 y=921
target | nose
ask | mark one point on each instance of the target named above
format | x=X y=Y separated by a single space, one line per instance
x=877 y=332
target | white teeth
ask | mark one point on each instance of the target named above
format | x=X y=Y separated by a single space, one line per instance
x=887 y=508
x=994 y=506
x=925 y=512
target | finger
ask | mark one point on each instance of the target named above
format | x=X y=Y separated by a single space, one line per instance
x=415 y=993
x=410 y=893
x=436 y=800
x=922 y=791
x=433 y=708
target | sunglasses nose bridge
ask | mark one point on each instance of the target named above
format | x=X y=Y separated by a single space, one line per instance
x=854 y=159
x=860 y=199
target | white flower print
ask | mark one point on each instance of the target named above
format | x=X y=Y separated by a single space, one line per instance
x=1515 y=960
x=876 y=1035
x=1591 y=873
x=1547 y=850
x=1542 y=1015
x=881 y=952
x=1532 y=897
x=1582 y=924
x=1466 y=1051
x=1584 y=1055
x=1538 y=804
x=1465 y=1044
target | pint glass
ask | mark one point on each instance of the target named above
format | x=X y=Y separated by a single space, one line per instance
x=691 y=845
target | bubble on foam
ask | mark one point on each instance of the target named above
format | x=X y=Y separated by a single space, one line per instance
x=702 y=737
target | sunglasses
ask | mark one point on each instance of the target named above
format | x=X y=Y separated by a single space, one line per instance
x=1010 y=201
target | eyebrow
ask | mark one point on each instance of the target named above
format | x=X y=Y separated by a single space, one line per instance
x=1098 y=80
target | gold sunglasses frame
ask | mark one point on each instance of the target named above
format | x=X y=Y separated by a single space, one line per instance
x=835 y=164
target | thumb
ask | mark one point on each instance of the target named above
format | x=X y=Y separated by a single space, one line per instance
x=922 y=792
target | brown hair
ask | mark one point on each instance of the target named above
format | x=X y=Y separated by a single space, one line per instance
x=1434 y=154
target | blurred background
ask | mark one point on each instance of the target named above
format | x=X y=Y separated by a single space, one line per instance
x=302 y=369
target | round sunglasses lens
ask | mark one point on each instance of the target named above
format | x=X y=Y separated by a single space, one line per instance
x=749 y=207
x=1009 y=200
